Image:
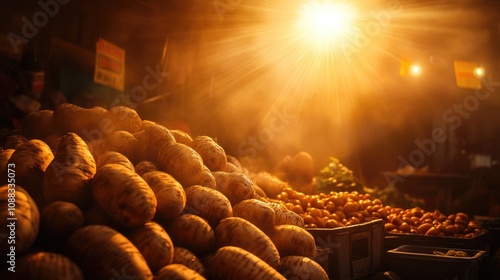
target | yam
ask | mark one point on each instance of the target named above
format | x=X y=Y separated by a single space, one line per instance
x=284 y=216
x=125 y=119
x=59 y=219
x=213 y=155
x=235 y=231
x=189 y=259
x=178 y=272
x=293 y=241
x=207 y=203
x=302 y=268
x=102 y=253
x=193 y=233
x=14 y=141
x=153 y=138
x=257 y=212
x=39 y=124
x=206 y=178
x=182 y=162
x=114 y=157
x=68 y=176
x=46 y=265
x=53 y=141
x=88 y=123
x=170 y=195
x=123 y=195
x=27 y=216
x=154 y=243
x=232 y=262
x=145 y=166
x=235 y=186
x=30 y=162
x=123 y=142
x=182 y=136
x=4 y=159
x=271 y=184
x=234 y=161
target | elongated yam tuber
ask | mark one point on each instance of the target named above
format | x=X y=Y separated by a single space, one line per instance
x=178 y=272
x=257 y=212
x=68 y=176
x=30 y=162
x=182 y=162
x=125 y=119
x=102 y=252
x=85 y=122
x=145 y=166
x=232 y=262
x=14 y=141
x=271 y=184
x=302 y=268
x=293 y=241
x=59 y=219
x=235 y=186
x=235 y=231
x=213 y=155
x=189 y=259
x=170 y=195
x=113 y=157
x=123 y=142
x=207 y=203
x=151 y=140
x=46 y=265
x=28 y=218
x=123 y=195
x=154 y=243
x=193 y=233
x=284 y=216
x=206 y=178
x=181 y=136
x=39 y=124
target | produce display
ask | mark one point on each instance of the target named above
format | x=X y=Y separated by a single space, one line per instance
x=339 y=209
x=103 y=194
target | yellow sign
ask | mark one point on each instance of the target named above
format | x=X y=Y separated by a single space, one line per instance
x=464 y=74
x=109 y=65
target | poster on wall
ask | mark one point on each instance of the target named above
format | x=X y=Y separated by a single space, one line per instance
x=109 y=65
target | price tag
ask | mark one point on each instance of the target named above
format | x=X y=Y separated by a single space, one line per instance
x=109 y=65
x=464 y=75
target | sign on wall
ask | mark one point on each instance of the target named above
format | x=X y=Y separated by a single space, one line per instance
x=109 y=65
x=464 y=74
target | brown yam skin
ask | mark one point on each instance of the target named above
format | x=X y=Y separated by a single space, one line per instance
x=293 y=241
x=154 y=243
x=213 y=155
x=170 y=195
x=189 y=259
x=39 y=124
x=302 y=268
x=235 y=186
x=59 y=219
x=87 y=123
x=4 y=159
x=182 y=137
x=257 y=212
x=114 y=157
x=178 y=272
x=53 y=141
x=206 y=178
x=151 y=140
x=145 y=166
x=193 y=233
x=235 y=231
x=123 y=142
x=31 y=161
x=125 y=119
x=232 y=262
x=102 y=253
x=46 y=265
x=28 y=219
x=68 y=176
x=207 y=203
x=125 y=197
x=14 y=141
x=284 y=216
x=182 y=162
